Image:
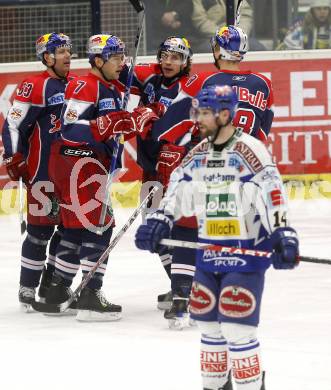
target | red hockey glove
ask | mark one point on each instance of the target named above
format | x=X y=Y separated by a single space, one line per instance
x=169 y=158
x=143 y=118
x=158 y=108
x=112 y=124
x=16 y=167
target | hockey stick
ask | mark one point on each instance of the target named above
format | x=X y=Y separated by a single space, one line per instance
x=21 y=206
x=234 y=251
x=237 y=18
x=140 y=8
x=59 y=308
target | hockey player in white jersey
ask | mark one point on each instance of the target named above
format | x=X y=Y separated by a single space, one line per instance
x=233 y=187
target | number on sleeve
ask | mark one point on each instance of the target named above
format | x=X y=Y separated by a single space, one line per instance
x=280 y=220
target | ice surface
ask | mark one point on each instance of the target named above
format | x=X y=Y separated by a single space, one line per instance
x=140 y=352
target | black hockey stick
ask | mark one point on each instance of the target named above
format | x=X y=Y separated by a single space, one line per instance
x=139 y=7
x=233 y=250
x=59 y=308
x=21 y=206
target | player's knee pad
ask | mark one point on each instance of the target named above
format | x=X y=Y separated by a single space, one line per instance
x=210 y=328
x=238 y=333
x=39 y=234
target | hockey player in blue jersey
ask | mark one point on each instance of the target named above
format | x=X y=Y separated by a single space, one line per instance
x=31 y=124
x=235 y=190
x=175 y=128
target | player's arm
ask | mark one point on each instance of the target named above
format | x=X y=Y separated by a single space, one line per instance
x=268 y=115
x=19 y=124
x=266 y=192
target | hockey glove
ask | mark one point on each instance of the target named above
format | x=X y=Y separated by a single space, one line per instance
x=148 y=236
x=158 y=108
x=168 y=159
x=143 y=118
x=16 y=167
x=286 y=248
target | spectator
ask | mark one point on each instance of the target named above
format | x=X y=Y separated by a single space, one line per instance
x=313 y=31
x=208 y=15
x=166 y=18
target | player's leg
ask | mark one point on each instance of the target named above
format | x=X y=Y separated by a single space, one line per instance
x=214 y=360
x=92 y=304
x=33 y=258
x=49 y=267
x=239 y=307
x=182 y=272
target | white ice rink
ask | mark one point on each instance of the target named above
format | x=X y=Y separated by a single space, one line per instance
x=140 y=352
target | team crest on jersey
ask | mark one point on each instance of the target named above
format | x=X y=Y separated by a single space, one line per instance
x=71 y=115
x=58 y=98
x=150 y=92
x=107 y=104
x=56 y=124
x=15 y=114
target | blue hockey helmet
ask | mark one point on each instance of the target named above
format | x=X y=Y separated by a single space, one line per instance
x=50 y=42
x=232 y=41
x=216 y=98
x=105 y=46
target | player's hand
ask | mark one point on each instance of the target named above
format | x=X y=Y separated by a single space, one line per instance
x=169 y=157
x=143 y=119
x=114 y=123
x=158 y=108
x=16 y=167
x=157 y=227
x=286 y=248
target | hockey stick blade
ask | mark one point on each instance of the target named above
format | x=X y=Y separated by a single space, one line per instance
x=51 y=308
x=137 y=5
x=233 y=250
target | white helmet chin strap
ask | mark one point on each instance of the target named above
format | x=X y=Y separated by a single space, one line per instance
x=230 y=56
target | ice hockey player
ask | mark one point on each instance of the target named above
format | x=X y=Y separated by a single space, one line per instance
x=233 y=187
x=254 y=116
x=79 y=162
x=158 y=84
x=31 y=124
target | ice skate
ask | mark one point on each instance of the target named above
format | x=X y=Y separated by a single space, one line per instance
x=46 y=278
x=164 y=301
x=93 y=306
x=26 y=295
x=177 y=315
x=58 y=293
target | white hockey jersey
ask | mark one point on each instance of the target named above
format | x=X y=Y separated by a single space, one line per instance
x=238 y=198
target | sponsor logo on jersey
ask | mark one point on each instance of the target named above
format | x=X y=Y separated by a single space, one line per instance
x=270 y=174
x=107 y=104
x=236 y=302
x=216 y=178
x=236 y=162
x=58 y=98
x=202 y=299
x=71 y=115
x=276 y=197
x=255 y=100
x=239 y=78
x=245 y=368
x=221 y=205
x=15 y=114
x=150 y=92
x=219 y=260
x=249 y=156
x=166 y=101
x=217 y=228
x=216 y=164
x=73 y=152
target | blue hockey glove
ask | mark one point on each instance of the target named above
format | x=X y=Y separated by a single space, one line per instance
x=286 y=248
x=149 y=235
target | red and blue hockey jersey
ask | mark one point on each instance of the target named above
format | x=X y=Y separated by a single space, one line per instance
x=33 y=120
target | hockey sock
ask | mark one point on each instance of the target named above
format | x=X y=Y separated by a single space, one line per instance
x=66 y=259
x=33 y=254
x=93 y=245
x=166 y=259
x=214 y=361
x=246 y=365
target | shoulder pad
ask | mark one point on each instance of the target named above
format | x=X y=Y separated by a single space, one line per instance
x=32 y=89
